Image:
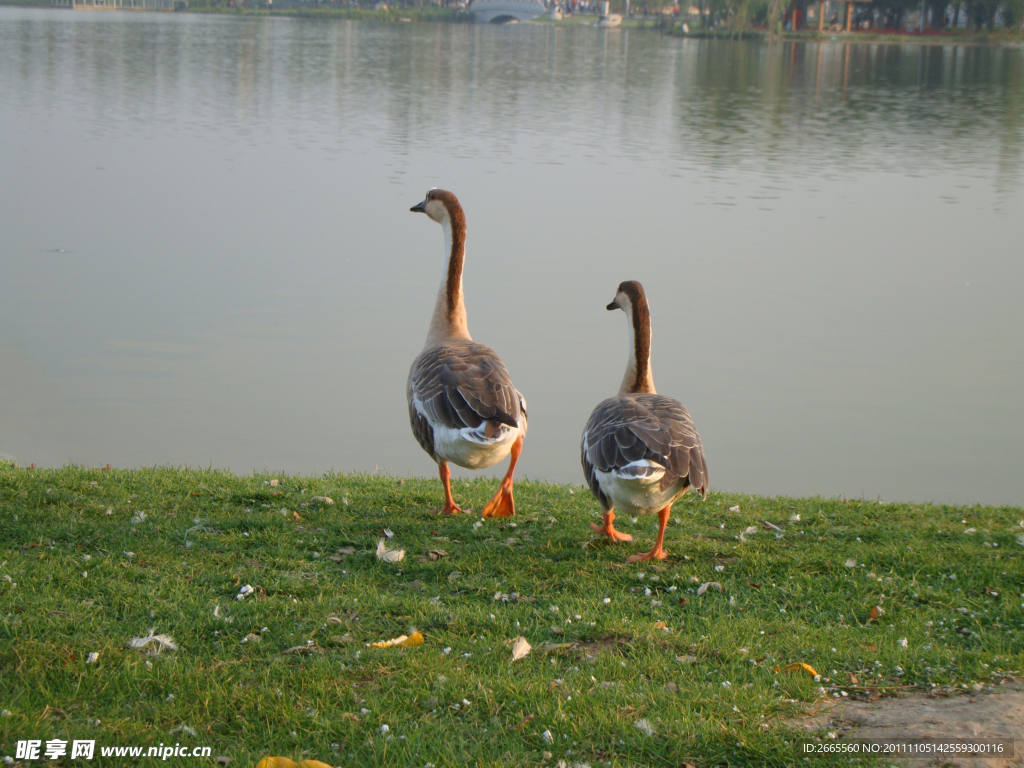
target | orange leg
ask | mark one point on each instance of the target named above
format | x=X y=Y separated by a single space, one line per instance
x=450 y=507
x=658 y=553
x=502 y=504
x=609 y=518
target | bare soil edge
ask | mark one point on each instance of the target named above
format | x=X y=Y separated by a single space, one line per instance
x=999 y=714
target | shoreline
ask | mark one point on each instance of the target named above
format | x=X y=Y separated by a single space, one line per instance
x=274 y=478
x=666 y=26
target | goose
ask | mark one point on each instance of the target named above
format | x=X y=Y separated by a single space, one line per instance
x=462 y=405
x=640 y=450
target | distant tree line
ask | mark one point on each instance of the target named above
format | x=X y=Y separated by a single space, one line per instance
x=940 y=15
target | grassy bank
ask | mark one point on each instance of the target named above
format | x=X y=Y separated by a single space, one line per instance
x=956 y=37
x=630 y=666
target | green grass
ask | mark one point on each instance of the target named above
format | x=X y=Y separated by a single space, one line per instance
x=82 y=571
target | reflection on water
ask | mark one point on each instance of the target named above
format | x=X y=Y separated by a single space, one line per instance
x=206 y=255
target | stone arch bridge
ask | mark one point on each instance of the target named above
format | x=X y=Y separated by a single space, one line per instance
x=502 y=11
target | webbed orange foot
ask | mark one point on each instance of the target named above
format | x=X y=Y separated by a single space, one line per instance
x=502 y=504
x=609 y=530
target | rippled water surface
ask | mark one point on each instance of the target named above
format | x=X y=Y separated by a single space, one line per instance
x=206 y=254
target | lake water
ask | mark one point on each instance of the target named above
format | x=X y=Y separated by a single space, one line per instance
x=207 y=258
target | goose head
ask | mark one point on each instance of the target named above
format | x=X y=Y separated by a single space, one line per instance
x=440 y=205
x=630 y=294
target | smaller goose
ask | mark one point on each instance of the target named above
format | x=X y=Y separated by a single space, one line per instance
x=640 y=450
x=462 y=405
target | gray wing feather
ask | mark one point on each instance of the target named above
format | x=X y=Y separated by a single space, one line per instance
x=630 y=428
x=462 y=384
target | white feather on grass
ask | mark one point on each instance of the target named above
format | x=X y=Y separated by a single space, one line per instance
x=389 y=555
x=160 y=642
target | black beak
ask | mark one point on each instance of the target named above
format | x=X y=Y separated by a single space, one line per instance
x=419 y=207
x=613 y=305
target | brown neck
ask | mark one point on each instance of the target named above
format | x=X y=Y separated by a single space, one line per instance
x=449 y=319
x=638 y=376
x=456 y=233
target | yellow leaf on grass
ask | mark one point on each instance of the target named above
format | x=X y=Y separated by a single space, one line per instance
x=276 y=762
x=405 y=641
x=798 y=665
x=660 y=625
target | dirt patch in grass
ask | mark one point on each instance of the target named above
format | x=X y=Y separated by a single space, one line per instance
x=610 y=643
x=997 y=715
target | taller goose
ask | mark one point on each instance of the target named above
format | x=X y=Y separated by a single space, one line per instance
x=462 y=405
x=640 y=450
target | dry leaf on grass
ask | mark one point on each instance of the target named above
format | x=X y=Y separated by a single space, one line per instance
x=660 y=625
x=436 y=554
x=706 y=585
x=326 y=500
x=405 y=641
x=522 y=723
x=158 y=641
x=389 y=555
x=520 y=649
x=797 y=666
x=874 y=613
